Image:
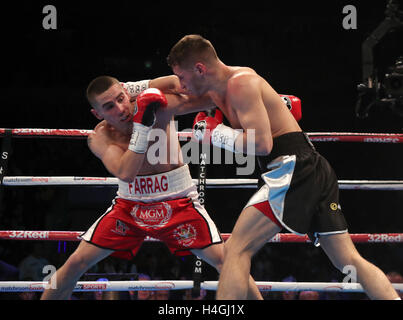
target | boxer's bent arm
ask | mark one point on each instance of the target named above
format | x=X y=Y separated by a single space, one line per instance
x=179 y=104
x=167 y=84
x=123 y=164
x=245 y=97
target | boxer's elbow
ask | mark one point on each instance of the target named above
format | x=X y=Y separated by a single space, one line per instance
x=128 y=166
x=126 y=175
x=263 y=147
x=126 y=178
x=255 y=144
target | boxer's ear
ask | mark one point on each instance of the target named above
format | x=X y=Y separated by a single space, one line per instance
x=96 y=114
x=200 y=68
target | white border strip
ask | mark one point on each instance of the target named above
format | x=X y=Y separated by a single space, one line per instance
x=24 y=286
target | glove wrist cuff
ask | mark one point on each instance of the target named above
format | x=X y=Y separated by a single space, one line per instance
x=224 y=137
x=139 y=138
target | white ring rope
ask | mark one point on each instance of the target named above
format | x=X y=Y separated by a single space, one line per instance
x=210 y=183
x=24 y=286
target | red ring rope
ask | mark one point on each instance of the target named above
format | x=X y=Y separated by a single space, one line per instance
x=317 y=136
x=279 y=238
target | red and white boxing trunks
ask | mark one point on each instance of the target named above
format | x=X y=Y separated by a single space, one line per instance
x=164 y=206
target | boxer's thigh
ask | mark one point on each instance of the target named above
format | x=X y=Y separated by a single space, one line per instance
x=252 y=230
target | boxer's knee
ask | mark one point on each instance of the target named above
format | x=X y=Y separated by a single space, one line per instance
x=217 y=261
x=341 y=251
x=76 y=264
x=348 y=262
x=235 y=248
x=85 y=256
x=213 y=255
x=218 y=265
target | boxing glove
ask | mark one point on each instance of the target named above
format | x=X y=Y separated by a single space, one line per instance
x=293 y=104
x=146 y=106
x=208 y=128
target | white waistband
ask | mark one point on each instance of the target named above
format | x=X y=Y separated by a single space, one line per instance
x=155 y=187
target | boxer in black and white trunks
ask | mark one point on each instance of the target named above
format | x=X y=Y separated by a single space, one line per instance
x=154 y=199
x=299 y=189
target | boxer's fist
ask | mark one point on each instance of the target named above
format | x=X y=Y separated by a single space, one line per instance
x=208 y=128
x=147 y=103
x=294 y=105
x=204 y=124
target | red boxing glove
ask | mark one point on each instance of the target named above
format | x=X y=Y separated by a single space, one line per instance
x=147 y=104
x=204 y=124
x=210 y=129
x=294 y=105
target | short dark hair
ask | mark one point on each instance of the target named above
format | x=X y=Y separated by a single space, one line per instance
x=190 y=49
x=99 y=85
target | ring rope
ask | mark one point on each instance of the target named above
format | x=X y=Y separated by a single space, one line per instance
x=314 y=136
x=210 y=183
x=22 y=286
x=152 y=285
x=278 y=238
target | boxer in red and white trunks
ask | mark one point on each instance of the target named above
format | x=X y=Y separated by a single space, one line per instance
x=299 y=189
x=157 y=200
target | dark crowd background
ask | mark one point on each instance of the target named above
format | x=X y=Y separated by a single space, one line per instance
x=301 y=48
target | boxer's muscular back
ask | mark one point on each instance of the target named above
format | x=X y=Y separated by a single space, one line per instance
x=280 y=118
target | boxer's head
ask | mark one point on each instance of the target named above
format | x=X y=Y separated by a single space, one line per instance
x=193 y=59
x=109 y=100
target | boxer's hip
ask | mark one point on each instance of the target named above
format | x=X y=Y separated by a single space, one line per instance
x=293 y=143
x=173 y=184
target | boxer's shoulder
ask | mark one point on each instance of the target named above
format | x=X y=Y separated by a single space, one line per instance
x=103 y=128
x=242 y=75
x=100 y=125
x=243 y=81
x=110 y=134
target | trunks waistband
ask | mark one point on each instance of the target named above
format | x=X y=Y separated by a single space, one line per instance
x=287 y=144
x=158 y=186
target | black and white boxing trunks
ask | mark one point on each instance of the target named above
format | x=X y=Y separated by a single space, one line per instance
x=298 y=189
